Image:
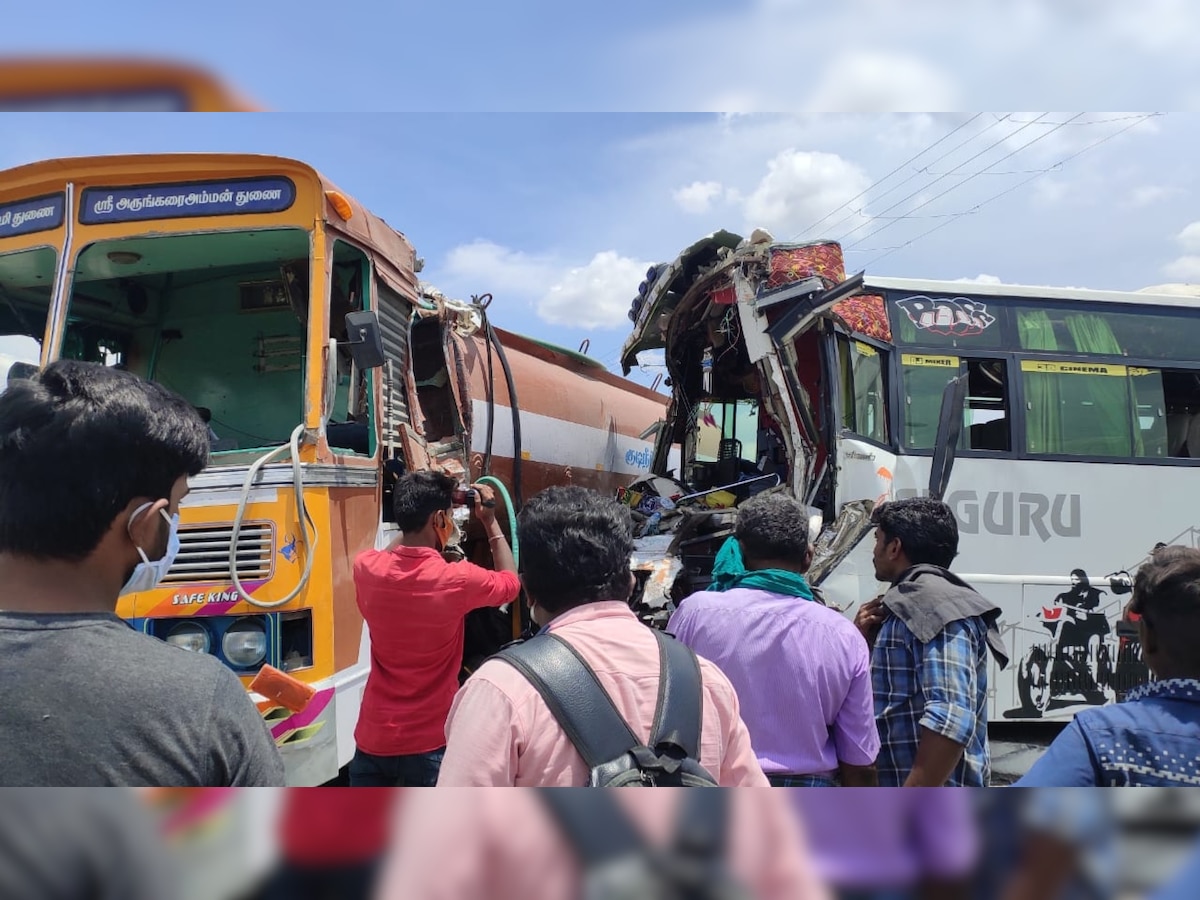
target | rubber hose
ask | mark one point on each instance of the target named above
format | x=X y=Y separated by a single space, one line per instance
x=491 y=403
x=307 y=524
x=516 y=415
x=512 y=516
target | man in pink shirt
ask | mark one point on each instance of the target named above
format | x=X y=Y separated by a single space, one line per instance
x=575 y=556
x=414 y=603
x=506 y=845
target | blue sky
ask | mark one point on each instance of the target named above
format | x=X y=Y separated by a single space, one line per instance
x=373 y=54
x=665 y=55
x=558 y=215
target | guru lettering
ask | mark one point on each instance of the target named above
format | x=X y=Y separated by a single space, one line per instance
x=1010 y=513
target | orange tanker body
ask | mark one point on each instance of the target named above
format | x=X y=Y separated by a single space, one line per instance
x=578 y=423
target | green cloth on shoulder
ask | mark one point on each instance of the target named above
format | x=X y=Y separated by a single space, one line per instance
x=729 y=571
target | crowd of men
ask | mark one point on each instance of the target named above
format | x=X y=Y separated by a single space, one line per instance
x=762 y=684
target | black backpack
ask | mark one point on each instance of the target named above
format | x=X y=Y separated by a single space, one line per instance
x=618 y=864
x=615 y=755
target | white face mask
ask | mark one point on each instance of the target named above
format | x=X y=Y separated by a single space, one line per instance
x=148 y=574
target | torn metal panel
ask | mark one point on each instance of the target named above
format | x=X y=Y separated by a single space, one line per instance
x=852 y=524
x=670 y=282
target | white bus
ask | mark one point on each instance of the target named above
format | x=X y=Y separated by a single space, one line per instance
x=1078 y=438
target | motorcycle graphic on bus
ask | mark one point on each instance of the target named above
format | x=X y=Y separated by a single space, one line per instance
x=1088 y=651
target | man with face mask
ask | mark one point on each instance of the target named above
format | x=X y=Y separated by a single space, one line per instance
x=415 y=604
x=93 y=465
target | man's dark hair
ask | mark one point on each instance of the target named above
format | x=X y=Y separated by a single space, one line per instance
x=772 y=526
x=1166 y=593
x=418 y=495
x=927 y=529
x=78 y=442
x=575 y=548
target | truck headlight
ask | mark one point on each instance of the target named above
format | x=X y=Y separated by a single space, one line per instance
x=189 y=636
x=245 y=644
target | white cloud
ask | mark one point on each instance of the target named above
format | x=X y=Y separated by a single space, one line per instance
x=801 y=187
x=1185 y=268
x=1148 y=194
x=499 y=269
x=597 y=295
x=980 y=279
x=697 y=197
x=1189 y=238
x=1065 y=54
x=873 y=81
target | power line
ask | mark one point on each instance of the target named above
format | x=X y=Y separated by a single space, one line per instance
x=955 y=187
x=1000 y=120
x=912 y=159
x=1137 y=121
x=930 y=184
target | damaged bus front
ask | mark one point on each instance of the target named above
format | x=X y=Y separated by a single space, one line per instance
x=1063 y=412
x=744 y=325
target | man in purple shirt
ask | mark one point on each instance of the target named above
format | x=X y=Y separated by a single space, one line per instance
x=801 y=670
x=892 y=844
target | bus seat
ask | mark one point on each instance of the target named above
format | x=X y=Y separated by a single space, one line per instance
x=991 y=435
x=729 y=459
x=1193 y=435
x=1178 y=427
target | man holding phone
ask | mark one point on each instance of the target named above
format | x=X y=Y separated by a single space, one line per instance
x=414 y=603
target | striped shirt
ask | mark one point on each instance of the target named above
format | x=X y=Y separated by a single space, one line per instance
x=940 y=686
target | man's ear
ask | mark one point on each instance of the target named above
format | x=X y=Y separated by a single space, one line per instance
x=808 y=558
x=146 y=529
x=1147 y=636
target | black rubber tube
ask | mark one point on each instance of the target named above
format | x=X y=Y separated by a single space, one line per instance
x=516 y=416
x=491 y=400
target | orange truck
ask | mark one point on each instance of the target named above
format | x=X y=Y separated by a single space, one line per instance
x=295 y=319
x=113 y=84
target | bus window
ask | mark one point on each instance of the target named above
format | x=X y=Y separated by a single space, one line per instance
x=209 y=316
x=732 y=423
x=1079 y=409
x=26 y=280
x=986 y=419
x=1144 y=334
x=863 y=390
x=1168 y=412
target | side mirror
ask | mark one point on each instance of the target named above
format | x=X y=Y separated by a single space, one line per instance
x=949 y=429
x=364 y=339
x=19 y=370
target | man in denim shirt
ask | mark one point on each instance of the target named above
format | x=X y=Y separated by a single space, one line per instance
x=1153 y=737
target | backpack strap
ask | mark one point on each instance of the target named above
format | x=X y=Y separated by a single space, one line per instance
x=702 y=826
x=680 y=709
x=575 y=697
x=594 y=824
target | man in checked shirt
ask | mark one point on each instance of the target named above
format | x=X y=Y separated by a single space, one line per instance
x=930 y=635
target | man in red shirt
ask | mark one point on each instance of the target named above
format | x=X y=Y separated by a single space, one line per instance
x=332 y=842
x=414 y=603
